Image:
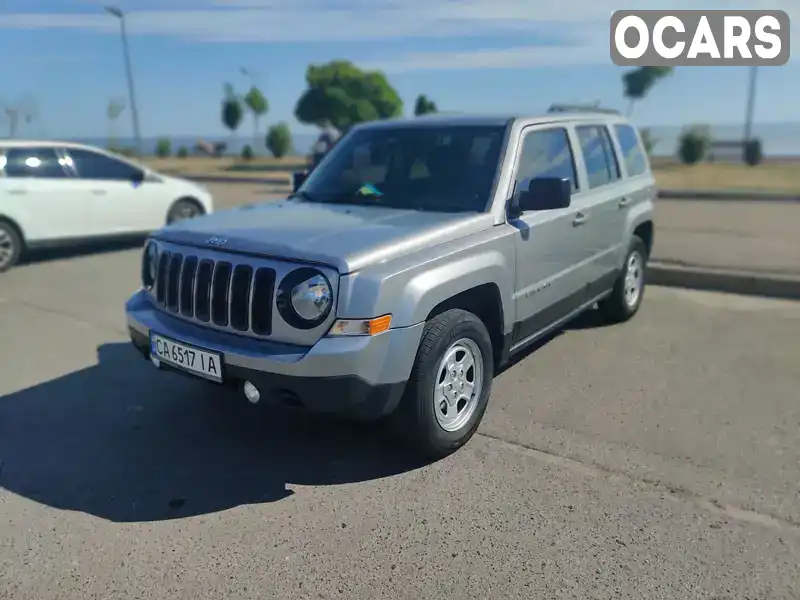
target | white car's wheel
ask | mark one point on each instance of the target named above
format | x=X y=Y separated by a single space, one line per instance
x=183 y=209
x=10 y=246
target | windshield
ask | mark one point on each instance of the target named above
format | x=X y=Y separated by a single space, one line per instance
x=447 y=168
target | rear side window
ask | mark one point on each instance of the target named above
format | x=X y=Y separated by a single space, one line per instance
x=545 y=153
x=41 y=163
x=633 y=154
x=598 y=154
x=93 y=165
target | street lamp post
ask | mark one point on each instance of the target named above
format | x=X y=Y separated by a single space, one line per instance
x=751 y=103
x=116 y=12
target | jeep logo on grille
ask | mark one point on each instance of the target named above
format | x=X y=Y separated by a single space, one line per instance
x=216 y=241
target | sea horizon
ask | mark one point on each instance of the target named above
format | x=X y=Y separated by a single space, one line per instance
x=778 y=139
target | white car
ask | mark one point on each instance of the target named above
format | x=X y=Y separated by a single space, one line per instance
x=59 y=193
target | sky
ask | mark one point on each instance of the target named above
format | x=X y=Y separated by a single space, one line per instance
x=481 y=56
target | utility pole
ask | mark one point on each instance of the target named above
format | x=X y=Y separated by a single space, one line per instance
x=116 y=12
x=751 y=103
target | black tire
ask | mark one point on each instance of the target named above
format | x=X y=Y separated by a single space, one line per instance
x=184 y=208
x=415 y=423
x=619 y=306
x=11 y=246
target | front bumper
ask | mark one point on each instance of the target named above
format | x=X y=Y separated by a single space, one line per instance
x=361 y=377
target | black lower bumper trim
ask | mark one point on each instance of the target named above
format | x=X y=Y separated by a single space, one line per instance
x=347 y=395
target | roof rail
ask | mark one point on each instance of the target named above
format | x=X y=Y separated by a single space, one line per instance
x=589 y=108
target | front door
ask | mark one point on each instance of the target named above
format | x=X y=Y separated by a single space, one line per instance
x=118 y=204
x=549 y=245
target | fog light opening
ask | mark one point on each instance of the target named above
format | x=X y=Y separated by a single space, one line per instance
x=251 y=392
x=155 y=361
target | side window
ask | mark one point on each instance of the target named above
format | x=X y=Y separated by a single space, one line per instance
x=545 y=153
x=42 y=163
x=632 y=152
x=598 y=154
x=93 y=165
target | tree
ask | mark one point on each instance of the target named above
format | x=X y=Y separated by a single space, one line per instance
x=23 y=111
x=693 y=144
x=232 y=111
x=113 y=111
x=341 y=95
x=163 y=148
x=258 y=106
x=424 y=106
x=638 y=82
x=279 y=140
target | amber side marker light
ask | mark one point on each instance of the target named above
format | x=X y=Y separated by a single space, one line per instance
x=370 y=327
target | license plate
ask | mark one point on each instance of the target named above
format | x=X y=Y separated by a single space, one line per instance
x=187 y=358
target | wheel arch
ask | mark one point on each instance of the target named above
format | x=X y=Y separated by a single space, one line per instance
x=16 y=226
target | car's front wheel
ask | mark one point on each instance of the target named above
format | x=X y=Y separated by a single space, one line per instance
x=183 y=209
x=449 y=387
x=10 y=246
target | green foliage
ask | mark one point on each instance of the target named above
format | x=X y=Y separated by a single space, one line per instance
x=638 y=82
x=648 y=140
x=232 y=110
x=114 y=109
x=424 y=106
x=342 y=95
x=693 y=144
x=256 y=102
x=279 y=140
x=247 y=152
x=163 y=148
x=753 y=152
x=183 y=152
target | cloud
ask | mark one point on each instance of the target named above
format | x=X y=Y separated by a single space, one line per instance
x=576 y=29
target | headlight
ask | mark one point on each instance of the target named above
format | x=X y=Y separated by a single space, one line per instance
x=150 y=265
x=304 y=298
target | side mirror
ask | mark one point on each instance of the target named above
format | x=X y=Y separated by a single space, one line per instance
x=544 y=193
x=298 y=179
x=138 y=177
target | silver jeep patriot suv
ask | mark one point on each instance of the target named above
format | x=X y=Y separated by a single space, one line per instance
x=410 y=264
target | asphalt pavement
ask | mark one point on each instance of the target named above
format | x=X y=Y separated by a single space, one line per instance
x=655 y=459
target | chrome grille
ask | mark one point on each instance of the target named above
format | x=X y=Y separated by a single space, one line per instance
x=216 y=292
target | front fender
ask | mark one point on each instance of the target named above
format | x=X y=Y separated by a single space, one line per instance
x=410 y=288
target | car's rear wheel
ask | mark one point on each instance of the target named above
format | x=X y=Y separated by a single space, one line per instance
x=449 y=387
x=10 y=246
x=626 y=298
x=183 y=209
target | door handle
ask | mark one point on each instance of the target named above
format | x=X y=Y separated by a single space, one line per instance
x=17 y=192
x=623 y=202
x=580 y=219
x=99 y=192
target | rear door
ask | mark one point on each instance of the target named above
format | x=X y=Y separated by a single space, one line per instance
x=39 y=190
x=119 y=205
x=601 y=202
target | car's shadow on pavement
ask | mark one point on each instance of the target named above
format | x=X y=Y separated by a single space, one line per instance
x=124 y=442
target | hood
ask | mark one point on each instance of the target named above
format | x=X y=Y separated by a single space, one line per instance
x=347 y=237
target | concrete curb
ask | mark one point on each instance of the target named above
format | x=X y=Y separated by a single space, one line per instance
x=733 y=281
x=285 y=181
x=728 y=195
